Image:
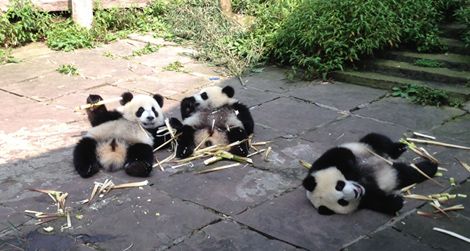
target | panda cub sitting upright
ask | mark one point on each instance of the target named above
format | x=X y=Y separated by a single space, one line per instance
x=213 y=117
x=121 y=139
x=349 y=177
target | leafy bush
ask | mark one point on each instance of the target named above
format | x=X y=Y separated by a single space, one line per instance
x=67 y=36
x=428 y=63
x=322 y=36
x=6 y=57
x=22 y=23
x=463 y=16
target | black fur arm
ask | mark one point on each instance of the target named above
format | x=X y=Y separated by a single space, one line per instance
x=407 y=175
x=244 y=115
x=380 y=202
x=100 y=114
x=186 y=143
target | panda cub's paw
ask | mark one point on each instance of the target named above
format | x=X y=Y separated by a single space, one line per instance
x=93 y=99
x=393 y=203
x=138 y=169
x=184 y=151
x=396 y=150
x=240 y=150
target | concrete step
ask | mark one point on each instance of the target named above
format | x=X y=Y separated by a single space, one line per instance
x=407 y=70
x=455 y=46
x=382 y=81
x=448 y=60
x=452 y=30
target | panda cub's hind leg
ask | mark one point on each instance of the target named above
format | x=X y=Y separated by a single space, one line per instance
x=238 y=134
x=407 y=175
x=382 y=144
x=139 y=160
x=85 y=159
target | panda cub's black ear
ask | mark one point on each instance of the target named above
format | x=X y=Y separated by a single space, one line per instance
x=229 y=91
x=159 y=99
x=309 y=183
x=126 y=97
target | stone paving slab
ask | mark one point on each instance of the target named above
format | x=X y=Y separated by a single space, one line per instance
x=284 y=115
x=388 y=240
x=228 y=191
x=170 y=54
x=338 y=95
x=30 y=51
x=155 y=218
x=227 y=235
x=458 y=129
x=402 y=112
x=120 y=48
x=41 y=88
x=13 y=73
x=274 y=79
x=292 y=218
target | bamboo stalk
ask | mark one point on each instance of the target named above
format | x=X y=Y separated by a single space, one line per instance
x=305 y=164
x=218 y=168
x=266 y=155
x=132 y=184
x=380 y=157
x=424 y=135
x=465 y=165
x=433 y=204
x=425 y=175
x=453 y=234
x=257 y=152
x=102 y=102
x=417 y=197
x=407 y=188
x=433 y=142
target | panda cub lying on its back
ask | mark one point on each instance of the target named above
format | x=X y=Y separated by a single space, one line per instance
x=349 y=177
x=121 y=139
x=213 y=117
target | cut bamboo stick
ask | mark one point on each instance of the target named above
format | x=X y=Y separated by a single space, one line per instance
x=102 y=102
x=464 y=165
x=218 y=168
x=132 y=184
x=305 y=164
x=432 y=142
x=453 y=234
x=424 y=135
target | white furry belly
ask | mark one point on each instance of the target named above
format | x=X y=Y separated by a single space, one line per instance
x=112 y=154
x=204 y=138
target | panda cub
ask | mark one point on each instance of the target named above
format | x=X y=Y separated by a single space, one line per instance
x=213 y=117
x=121 y=139
x=349 y=177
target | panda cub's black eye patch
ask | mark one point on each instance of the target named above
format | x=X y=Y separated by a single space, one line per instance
x=139 y=112
x=154 y=111
x=204 y=96
x=343 y=202
x=340 y=185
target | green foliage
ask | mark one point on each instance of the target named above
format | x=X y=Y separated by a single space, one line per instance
x=67 y=36
x=428 y=63
x=147 y=49
x=22 y=23
x=424 y=95
x=6 y=57
x=175 y=66
x=321 y=36
x=67 y=69
x=463 y=16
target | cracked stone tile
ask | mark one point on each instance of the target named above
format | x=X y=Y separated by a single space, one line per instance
x=402 y=112
x=339 y=95
x=226 y=235
x=273 y=79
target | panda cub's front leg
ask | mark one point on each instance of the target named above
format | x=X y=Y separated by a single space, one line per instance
x=139 y=160
x=186 y=143
x=99 y=114
x=238 y=134
x=85 y=159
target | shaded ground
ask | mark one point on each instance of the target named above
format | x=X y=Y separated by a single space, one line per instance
x=243 y=208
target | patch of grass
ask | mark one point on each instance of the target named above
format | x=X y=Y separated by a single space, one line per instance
x=6 y=57
x=68 y=69
x=109 y=54
x=175 y=66
x=67 y=36
x=428 y=63
x=147 y=49
x=424 y=95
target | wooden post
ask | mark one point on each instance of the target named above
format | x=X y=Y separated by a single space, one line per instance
x=82 y=12
x=226 y=6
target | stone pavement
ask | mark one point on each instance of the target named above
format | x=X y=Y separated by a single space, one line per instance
x=260 y=207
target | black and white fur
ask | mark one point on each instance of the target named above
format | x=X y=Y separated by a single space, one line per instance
x=122 y=138
x=213 y=117
x=349 y=177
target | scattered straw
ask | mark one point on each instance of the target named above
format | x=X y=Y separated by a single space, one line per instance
x=218 y=168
